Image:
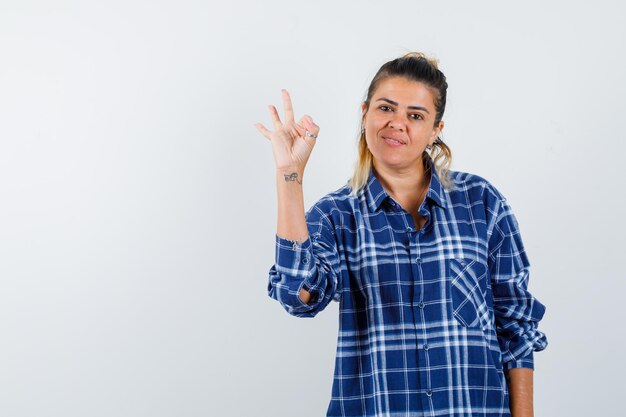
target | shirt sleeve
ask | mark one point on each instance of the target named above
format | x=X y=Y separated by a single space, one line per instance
x=313 y=265
x=517 y=311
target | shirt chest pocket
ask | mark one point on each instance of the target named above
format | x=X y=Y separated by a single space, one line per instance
x=468 y=290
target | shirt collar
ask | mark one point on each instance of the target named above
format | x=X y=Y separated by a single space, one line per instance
x=376 y=194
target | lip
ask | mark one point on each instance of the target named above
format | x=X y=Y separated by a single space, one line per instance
x=391 y=142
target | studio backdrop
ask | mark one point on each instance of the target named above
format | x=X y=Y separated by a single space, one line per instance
x=138 y=201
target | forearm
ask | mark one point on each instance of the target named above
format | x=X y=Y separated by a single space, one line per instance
x=521 y=392
x=291 y=219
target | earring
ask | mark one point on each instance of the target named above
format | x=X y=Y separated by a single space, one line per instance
x=437 y=141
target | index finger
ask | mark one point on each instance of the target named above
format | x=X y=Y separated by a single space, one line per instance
x=288 y=107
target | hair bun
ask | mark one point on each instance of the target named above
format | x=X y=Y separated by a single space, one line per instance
x=432 y=61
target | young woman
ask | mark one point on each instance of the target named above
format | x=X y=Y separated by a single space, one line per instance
x=427 y=264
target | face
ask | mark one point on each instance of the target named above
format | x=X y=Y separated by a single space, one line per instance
x=399 y=123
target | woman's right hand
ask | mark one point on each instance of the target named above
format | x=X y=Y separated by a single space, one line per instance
x=290 y=144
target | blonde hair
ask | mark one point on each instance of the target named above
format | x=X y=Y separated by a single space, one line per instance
x=415 y=66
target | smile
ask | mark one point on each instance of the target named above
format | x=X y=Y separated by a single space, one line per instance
x=393 y=142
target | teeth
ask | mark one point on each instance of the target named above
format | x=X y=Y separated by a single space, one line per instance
x=393 y=140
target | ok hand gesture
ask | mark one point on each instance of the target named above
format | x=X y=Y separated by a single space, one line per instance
x=292 y=142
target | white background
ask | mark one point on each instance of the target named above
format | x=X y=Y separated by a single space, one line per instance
x=138 y=202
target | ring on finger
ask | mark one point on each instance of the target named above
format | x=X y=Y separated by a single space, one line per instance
x=311 y=135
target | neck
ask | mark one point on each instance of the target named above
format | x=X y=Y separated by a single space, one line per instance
x=403 y=184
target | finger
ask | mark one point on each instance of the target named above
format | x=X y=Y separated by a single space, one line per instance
x=309 y=134
x=308 y=123
x=288 y=106
x=264 y=131
x=275 y=118
x=301 y=129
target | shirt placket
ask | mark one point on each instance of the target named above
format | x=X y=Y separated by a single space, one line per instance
x=404 y=230
x=420 y=306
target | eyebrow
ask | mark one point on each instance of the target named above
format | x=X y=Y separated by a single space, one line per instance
x=410 y=107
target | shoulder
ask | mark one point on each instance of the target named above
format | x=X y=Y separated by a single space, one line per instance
x=466 y=185
x=333 y=205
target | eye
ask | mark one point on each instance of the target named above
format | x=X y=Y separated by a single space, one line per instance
x=384 y=108
x=417 y=116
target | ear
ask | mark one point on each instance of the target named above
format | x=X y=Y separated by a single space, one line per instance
x=363 y=112
x=436 y=131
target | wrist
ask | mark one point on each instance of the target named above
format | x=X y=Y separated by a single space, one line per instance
x=290 y=169
x=289 y=174
x=288 y=177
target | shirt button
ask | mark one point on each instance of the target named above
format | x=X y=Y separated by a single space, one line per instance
x=421 y=305
x=418 y=260
x=429 y=393
x=462 y=263
x=425 y=347
x=305 y=261
x=409 y=229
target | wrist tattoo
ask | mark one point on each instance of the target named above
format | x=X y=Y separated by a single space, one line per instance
x=292 y=177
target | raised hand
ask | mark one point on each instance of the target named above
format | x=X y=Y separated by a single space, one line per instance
x=291 y=144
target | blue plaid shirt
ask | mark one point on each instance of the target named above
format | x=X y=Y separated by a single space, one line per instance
x=429 y=319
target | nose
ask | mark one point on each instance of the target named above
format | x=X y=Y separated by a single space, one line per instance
x=396 y=121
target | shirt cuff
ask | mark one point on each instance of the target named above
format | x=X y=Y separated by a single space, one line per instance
x=294 y=258
x=525 y=362
x=294 y=268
